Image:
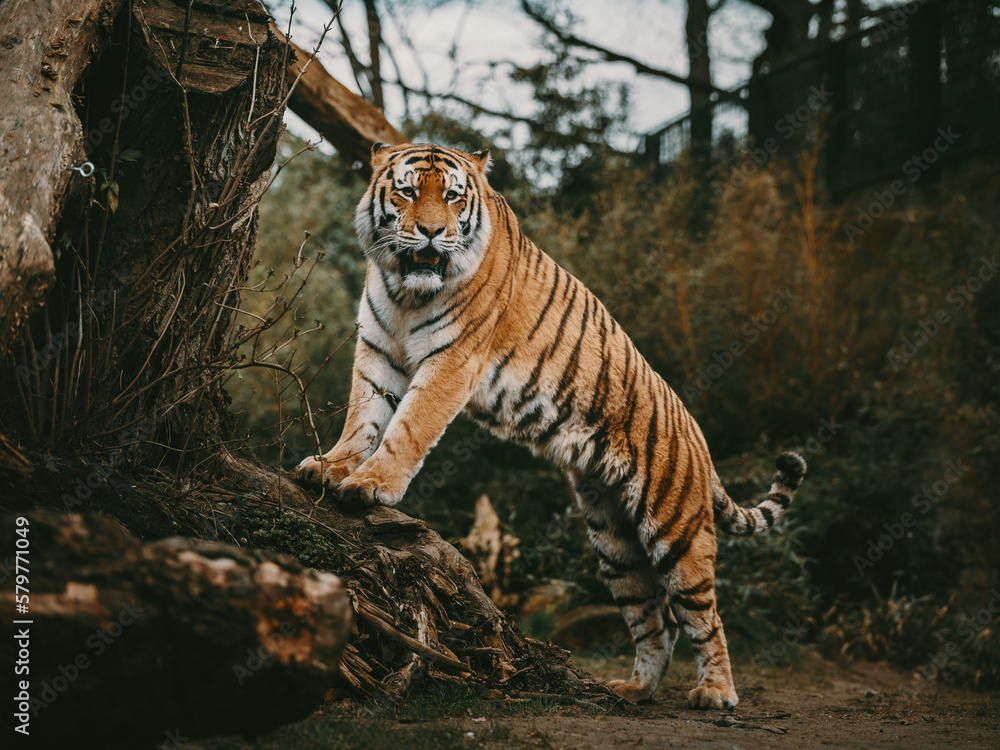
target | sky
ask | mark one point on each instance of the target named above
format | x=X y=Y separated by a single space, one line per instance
x=456 y=40
x=479 y=32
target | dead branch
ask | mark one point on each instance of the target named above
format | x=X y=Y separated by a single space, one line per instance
x=46 y=53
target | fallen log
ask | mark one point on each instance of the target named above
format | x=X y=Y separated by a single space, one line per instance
x=124 y=642
x=422 y=612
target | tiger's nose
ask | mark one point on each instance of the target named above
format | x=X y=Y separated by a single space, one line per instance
x=431 y=231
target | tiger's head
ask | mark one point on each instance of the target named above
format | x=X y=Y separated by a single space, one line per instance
x=423 y=221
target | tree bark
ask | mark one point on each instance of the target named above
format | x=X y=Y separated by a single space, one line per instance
x=788 y=34
x=700 y=69
x=181 y=117
x=375 y=53
x=45 y=50
x=126 y=642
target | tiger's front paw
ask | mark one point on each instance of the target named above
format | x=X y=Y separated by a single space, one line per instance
x=318 y=471
x=366 y=491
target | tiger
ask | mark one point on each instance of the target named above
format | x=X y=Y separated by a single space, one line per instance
x=461 y=311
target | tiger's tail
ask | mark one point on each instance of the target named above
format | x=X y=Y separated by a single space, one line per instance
x=740 y=521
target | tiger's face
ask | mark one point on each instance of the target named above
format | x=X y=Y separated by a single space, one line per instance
x=423 y=221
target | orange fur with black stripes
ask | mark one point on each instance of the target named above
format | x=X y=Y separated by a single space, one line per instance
x=461 y=311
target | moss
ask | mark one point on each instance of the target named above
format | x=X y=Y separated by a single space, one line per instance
x=278 y=531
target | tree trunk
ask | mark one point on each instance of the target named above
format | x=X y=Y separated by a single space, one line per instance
x=788 y=34
x=181 y=119
x=700 y=68
x=702 y=111
x=45 y=50
x=125 y=642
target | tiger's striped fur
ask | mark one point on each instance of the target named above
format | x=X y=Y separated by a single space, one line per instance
x=461 y=311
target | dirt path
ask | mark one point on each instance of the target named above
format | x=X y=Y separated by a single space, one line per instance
x=867 y=705
x=813 y=703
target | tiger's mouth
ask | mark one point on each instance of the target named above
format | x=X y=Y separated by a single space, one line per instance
x=425 y=261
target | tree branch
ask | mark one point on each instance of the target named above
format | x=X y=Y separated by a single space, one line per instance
x=611 y=56
x=357 y=67
x=375 y=47
x=345 y=119
x=479 y=109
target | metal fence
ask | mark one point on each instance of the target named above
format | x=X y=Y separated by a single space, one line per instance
x=886 y=94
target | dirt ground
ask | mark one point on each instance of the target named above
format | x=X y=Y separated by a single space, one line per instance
x=815 y=703
x=811 y=703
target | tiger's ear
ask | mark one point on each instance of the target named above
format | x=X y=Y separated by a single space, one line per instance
x=482 y=160
x=380 y=152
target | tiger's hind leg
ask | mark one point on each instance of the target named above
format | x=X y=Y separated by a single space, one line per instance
x=639 y=595
x=638 y=592
x=692 y=594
